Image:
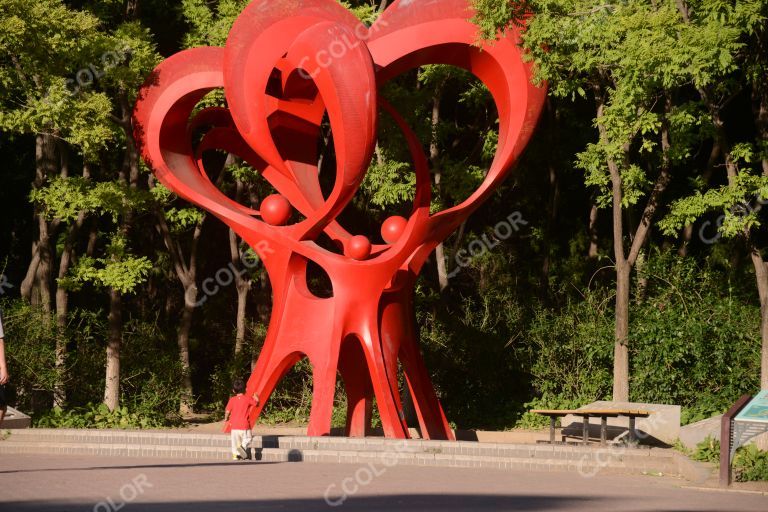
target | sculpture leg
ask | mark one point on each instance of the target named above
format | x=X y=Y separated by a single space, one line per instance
x=432 y=419
x=323 y=394
x=387 y=394
x=357 y=382
x=265 y=377
x=398 y=322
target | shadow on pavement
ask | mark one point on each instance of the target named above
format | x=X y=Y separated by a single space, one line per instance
x=401 y=503
x=233 y=464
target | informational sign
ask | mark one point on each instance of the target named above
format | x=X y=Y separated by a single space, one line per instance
x=756 y=410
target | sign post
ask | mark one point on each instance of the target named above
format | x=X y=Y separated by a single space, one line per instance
x=743 y=421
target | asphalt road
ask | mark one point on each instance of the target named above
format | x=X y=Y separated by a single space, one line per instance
x=97 y=484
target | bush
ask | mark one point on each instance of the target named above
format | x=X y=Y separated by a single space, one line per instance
x=99 y=416
x=571 y=350
x=707 y=451
x=693 y=342
x=30 y=353
x=749 y=464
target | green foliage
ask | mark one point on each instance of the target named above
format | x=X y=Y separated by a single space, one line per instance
x=210 y=26
x=707 y=451
x=750 y=464
x=35 y=97
x=64 y=198
x=696 y=342
x=365 y=12
x=31 y=352
x=693 y=343
x=389 y=183
x=571 y=350
x=494 y=16
x=734 y=200
x=292 y=399
x=97 y=416
x=119 y=270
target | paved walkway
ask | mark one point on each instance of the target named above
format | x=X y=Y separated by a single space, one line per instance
x=74 y=484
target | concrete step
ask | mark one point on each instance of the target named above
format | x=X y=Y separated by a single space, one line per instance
x=151 y=438
x=588 y=466
x=116 y=450
x=376 y=460
x=378 y=452
x=134 y=437
x=454 y=448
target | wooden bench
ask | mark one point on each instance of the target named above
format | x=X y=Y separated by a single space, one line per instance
x=585 y=414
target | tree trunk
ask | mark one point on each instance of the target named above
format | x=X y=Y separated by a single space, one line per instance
x=760 y=102
x=623 y=269
x=761 y=276
x=187 y=275
x=62 y=303
x=185 y=327
x=128 y=175
x=114 y=344
x=28 y=284
x=45 y=167
x=242 y=302
x=592 y=252
x=624 y=263
x=434 y=157
x=554 y=198
x=44 y=268
x=62 y=312
x=242 y=280
x=621 y=334
x=621 y=308
x=686 y=238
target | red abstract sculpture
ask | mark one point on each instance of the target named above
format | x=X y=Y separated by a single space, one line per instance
x=286 y=64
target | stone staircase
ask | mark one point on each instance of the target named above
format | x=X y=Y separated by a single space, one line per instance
x=587 y=460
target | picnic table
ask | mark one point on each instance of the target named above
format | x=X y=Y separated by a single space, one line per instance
x=585 y=414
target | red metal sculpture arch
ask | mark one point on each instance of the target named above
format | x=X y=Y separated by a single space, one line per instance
x=286 y=64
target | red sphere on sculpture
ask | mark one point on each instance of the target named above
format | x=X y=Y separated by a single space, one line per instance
x=275 y=210
x=359 y=247
x=393 y=228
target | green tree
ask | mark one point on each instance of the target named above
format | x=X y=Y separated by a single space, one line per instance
x=635 y=61
x=743 y=25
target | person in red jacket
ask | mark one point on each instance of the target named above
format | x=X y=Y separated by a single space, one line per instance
x=238 y=416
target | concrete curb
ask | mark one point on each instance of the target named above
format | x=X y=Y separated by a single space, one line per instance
x=588 y=461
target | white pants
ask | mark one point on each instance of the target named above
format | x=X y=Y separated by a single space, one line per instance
x=241 y=439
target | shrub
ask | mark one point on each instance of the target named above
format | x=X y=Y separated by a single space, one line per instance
x=99 y=416
x=749 y=464
x=693 y=342
x=707 y=451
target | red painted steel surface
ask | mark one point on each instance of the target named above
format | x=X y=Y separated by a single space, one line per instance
x=286 y=64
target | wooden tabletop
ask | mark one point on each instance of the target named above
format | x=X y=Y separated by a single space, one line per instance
x=592 y=412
